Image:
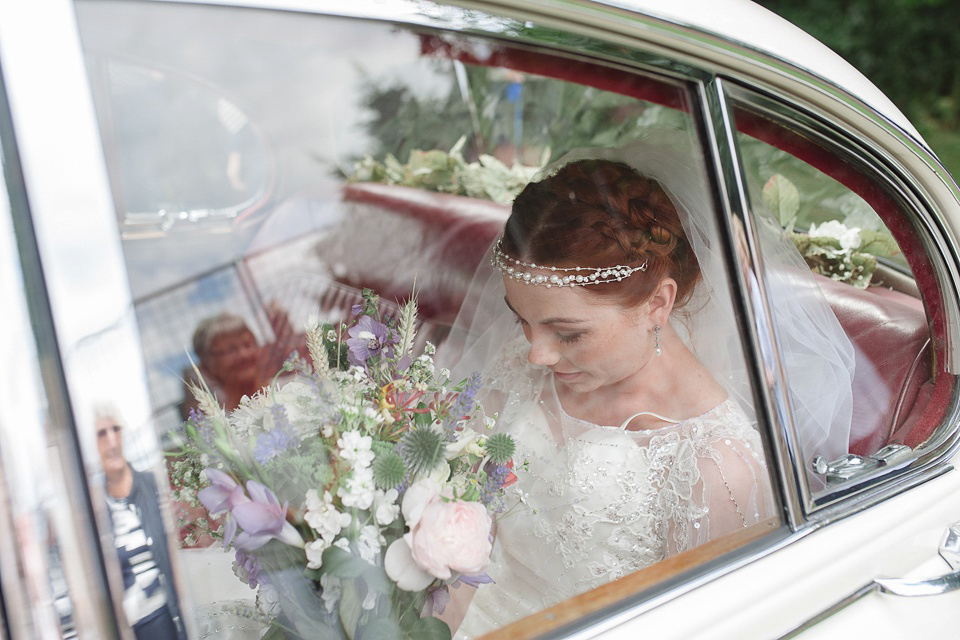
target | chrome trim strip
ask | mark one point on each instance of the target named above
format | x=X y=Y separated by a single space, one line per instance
x=826 y=613
x=78 y=268
x=47 y=516
x=775 y=402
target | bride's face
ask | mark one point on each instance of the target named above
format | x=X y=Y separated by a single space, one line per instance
x=587 y=342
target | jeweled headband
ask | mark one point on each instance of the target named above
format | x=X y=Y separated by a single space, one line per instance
x=559 y=276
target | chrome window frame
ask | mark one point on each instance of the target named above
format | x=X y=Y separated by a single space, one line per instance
x=851 y=497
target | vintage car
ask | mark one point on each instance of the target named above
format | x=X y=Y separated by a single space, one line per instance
x=165 y=161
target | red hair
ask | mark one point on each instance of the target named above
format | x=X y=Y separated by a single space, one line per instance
x=599 y=213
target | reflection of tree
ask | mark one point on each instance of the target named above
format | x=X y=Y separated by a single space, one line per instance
x=504 y=113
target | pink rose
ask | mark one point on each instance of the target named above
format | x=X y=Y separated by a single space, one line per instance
x=452 y=537
x=417 y=497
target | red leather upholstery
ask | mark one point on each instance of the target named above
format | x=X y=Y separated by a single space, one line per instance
x=893 y=360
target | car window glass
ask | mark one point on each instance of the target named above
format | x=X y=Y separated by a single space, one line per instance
x=840 y=215
x=266 y=185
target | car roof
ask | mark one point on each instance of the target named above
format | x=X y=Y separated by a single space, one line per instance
x=755 y=27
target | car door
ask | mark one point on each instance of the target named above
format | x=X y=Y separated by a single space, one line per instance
x=232 y=158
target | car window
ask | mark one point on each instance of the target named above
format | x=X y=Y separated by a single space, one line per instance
x=307 y=174
x=850 y=223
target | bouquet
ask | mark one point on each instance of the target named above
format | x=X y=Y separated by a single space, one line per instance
x=356 y=488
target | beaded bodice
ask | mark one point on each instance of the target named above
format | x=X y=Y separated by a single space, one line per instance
x=601 y=502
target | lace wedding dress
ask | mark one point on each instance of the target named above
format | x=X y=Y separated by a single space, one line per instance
x=600 y=502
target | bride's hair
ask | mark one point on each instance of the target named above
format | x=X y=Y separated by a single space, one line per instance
x=600 y=213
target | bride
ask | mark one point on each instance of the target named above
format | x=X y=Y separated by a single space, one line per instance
x=608 y=344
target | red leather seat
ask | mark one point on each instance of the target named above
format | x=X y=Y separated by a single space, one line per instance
x=893 y=358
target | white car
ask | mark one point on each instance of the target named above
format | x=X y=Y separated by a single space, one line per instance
x=165 y=161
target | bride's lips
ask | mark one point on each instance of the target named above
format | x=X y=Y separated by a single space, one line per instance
x=566 y=377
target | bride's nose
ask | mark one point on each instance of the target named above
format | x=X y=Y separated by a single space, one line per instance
x=542 y=354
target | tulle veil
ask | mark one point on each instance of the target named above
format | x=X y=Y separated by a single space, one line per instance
x=815 y=353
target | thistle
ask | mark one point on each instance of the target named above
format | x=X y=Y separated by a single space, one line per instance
x=422 y=449
x=500 y=447
x=389 y=470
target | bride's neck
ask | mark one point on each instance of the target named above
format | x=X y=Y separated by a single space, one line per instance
x=675 y=385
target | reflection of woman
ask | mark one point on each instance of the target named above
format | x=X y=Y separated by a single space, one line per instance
x=233 y=365
x=626 y=390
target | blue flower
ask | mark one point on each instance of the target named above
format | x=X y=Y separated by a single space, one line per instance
x=272 y=443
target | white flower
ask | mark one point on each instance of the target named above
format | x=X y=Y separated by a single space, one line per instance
x=439 y=474
x=358 y=489
x=323 y=517
x=343 y=543
x=385 y=507
x=268 y=600
x=523 y=496
x=355 y=448
x=359 y=373
x=467 y=442
x=369 y=543
x=315 y=549
x=849 y=237
x=372 y=415
x=329 y=591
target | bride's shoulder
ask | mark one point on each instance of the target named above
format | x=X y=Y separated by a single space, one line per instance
x=726 y=421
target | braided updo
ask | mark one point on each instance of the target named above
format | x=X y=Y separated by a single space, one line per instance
x=599 y=213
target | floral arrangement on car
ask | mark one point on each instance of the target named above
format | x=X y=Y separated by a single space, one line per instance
x=840 y=251
x=355 y=489
x=448 y=172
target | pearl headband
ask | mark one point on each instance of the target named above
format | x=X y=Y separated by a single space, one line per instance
x=559 y=276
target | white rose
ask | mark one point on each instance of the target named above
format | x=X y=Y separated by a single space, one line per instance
x=464 y=439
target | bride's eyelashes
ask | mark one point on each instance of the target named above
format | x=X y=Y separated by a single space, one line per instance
x=569 y=338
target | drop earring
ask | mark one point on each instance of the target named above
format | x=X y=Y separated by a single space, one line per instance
x=656 y=340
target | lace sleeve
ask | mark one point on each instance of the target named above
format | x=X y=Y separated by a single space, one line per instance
x=732 y=490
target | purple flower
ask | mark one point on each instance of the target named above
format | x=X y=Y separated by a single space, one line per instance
x=474 y=580
x=263 y=518
x=367 y=339
x=247 y=568
x=223 y=494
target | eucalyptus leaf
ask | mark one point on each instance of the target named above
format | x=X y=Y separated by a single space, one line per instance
x=430 y=629
x=383 y=629
x=877 y=243
x=343 y=564
x=350 y=608
x=782 y=198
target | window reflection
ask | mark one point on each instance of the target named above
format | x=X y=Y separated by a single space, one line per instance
x=397 y=155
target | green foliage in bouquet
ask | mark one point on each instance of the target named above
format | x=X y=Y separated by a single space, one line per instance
x=354 y=489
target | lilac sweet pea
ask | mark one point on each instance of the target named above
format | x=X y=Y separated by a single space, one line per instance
x=262 y=519
x=367 y=339
x=222 y=495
